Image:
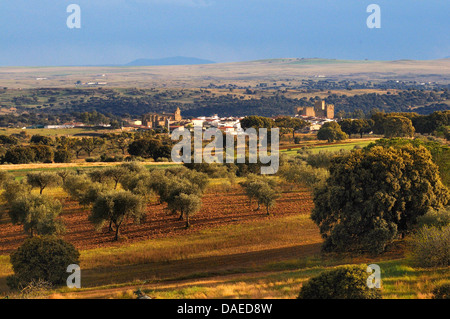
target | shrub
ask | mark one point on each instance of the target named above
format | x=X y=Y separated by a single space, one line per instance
x=213 y=170
x=435 y=218
x=430 y=246
x=442 y=292
x=321 y=159
x=301 y=173
x=42 y=258
x=345 y=282
x=110 y=159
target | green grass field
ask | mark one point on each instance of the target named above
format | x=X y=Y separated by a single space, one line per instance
x=314 y=149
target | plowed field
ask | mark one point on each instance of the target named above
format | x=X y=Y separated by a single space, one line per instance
x=219 y=208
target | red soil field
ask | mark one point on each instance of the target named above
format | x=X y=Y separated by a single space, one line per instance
x=218 y=209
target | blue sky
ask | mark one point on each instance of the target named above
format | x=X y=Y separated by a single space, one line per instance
x=119 y=31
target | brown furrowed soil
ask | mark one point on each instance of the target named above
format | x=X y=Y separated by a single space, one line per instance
x=219 y=208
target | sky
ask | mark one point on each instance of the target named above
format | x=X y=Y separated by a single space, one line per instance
x=35 y=33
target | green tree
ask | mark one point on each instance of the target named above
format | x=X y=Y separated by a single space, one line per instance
x=292 y=124
x=398 y=126
x=116 y=208
x=62 y=155
x=301 y=173
x=15 y=189
x=63 y=174
x=99 y=175
x=176 y=187
x=347 y=126
x=39 y=139
x=267 y=196
x=42 y=153
x=123 y=142
x=331 y=132
x=89 y=145
x=149 y=148
x=82 y=189
x=19 y=155
x=257 y=122
x=42 y=258
x=117 y=174
x=374 y=194
x=430 y=246
x=188 y=205
x=262 y=189
x=362 y=126
x=4 y=178
x=43 y=180
x=38 y=214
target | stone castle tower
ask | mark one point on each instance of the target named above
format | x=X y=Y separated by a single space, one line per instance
x=320 y=109
x=155 y=120
x=324 y=110
x=177 y=115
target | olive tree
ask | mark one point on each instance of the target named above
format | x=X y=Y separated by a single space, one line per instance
x=43 y=180
x=267 y=196
x=188 y=205
x=116 y=208
x=82 y=189
x=262 y=189
x=63 y=174
x=117 y=174
x=15 y=189
x=38 y=215
x=299 y=172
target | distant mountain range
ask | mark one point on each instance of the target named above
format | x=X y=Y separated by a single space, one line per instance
x=177 y=60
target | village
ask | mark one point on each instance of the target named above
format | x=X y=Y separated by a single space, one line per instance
x=318 y=115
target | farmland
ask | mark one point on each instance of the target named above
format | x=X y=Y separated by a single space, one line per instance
x=238 y=242
x=232 y=250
